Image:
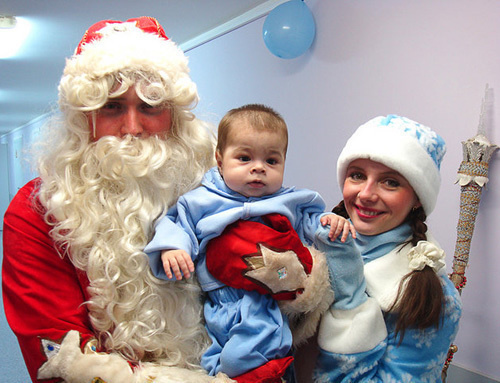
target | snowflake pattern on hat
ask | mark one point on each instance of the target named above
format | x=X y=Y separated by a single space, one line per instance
x=430 y=140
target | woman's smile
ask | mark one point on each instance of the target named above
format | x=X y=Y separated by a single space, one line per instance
x=365 y=212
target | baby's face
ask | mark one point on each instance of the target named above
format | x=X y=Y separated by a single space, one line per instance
x=253 y=162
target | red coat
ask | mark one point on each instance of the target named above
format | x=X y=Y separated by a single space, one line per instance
x=42 y=292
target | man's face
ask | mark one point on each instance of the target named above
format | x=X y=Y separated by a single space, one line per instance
x=128 y=114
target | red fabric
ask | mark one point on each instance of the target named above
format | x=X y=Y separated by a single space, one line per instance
x=147 y=24
x=42 y=293
x=271 y=372
x=226 y=253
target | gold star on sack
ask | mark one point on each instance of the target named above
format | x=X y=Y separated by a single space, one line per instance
x=278 y=271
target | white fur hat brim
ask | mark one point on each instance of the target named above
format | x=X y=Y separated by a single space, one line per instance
x=128 y=48
x=397 y=150
x=131 y=47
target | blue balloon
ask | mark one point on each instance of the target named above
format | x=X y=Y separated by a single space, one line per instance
x=289 y=29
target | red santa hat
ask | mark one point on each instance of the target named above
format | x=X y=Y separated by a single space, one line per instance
x=135 y=45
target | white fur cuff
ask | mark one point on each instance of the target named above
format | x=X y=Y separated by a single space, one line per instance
x=305 y=311
x=70 y=364
x=352 y=331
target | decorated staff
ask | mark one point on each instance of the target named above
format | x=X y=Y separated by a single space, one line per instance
x=472 y=176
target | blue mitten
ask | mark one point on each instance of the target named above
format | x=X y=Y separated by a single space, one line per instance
x=346 y=269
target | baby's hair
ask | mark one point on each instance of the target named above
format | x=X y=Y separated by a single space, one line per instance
x=260 y=117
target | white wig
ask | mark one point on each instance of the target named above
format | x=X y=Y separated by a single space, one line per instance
x=103 y=197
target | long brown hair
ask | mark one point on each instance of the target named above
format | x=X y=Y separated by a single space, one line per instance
x=420 y=298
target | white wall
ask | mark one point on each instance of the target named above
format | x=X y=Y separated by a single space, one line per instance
x=427 y=60
x=4 y=185
x=21 y=144
x=16 y=155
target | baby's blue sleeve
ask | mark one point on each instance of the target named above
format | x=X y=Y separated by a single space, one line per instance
x=309 y=210
x=173 y=231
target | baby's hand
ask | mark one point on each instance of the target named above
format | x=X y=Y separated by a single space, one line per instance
x=338 y=225
x=177 y=261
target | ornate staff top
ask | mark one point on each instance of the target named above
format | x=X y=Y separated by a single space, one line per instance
x=472 y=176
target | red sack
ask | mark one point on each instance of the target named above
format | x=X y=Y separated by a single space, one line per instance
x=271 y=372
x=268 y=258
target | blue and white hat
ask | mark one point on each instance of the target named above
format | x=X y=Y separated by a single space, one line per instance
x=412 y=149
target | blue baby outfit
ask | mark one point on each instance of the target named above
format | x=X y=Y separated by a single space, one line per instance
x=247 y=329
x=358 y=343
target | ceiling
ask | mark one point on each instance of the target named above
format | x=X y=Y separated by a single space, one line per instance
x=28 y=82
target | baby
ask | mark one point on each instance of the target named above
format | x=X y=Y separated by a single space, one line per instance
x=230 y=226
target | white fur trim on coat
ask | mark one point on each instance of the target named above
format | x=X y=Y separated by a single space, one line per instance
x=305 y=311
x=73 y=366
x=352 y=331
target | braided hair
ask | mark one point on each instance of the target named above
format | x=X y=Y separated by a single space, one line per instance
x=420 y=298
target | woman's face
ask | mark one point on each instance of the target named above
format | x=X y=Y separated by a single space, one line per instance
x=377 y=198
x=128 y=114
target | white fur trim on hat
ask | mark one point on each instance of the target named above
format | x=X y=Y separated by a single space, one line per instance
x=129 y=48
x=413 y=150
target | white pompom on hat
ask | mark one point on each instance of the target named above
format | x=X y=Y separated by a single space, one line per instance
x=412 y=149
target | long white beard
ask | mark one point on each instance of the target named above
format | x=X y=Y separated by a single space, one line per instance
x=104 y=213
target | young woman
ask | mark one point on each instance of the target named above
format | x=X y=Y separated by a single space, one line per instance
x=395 y=312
